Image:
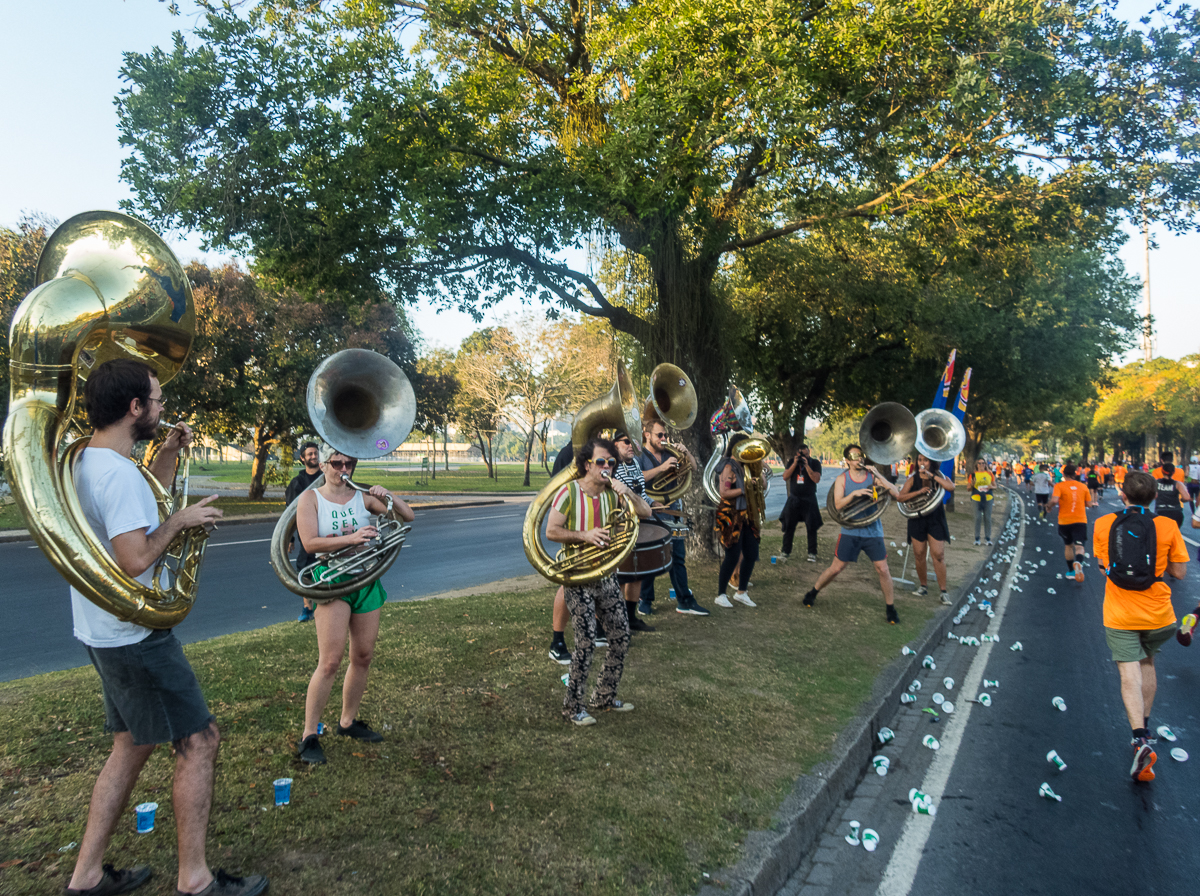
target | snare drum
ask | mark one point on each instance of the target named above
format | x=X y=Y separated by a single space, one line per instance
x=651 y=556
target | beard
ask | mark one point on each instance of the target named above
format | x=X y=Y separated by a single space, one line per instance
x=146 y=426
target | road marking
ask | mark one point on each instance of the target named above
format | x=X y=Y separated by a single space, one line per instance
x=222 y=544
x=902 y=867
x=1195 y=544
x=505 y=516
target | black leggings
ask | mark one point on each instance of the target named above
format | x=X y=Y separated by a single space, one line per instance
x=745 y=549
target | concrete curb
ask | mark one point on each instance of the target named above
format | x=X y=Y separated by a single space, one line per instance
x=13 y=535
x=770 y=857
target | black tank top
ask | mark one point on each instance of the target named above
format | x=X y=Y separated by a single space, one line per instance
x=1168 y=494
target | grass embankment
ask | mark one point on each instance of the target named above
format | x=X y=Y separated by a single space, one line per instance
x=467 y=478
x=479 y=786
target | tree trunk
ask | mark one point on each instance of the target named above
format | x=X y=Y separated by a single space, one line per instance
x=528 y=453
x=262 y=448
x=433 y=454
x=487 y=456
x=446 y=448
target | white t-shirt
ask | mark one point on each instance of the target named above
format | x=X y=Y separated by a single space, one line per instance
x=115 y=499
x=1194 y=472
x=1042 y=483
x=342 y=519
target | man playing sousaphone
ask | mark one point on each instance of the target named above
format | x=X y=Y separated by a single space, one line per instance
x=868 y=539
x=578 y=516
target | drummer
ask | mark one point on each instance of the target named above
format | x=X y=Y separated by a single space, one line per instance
x=629 y=471
x=656 y=461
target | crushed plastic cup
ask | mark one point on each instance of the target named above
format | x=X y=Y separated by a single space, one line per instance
x=920 y=807
x=995 y=683
x=914 y=687
x=1056 y=760
x=565 y=678
x=145 y=817
x=852 y=837
x=1179 y=754
x=1166 y=734
x=1016 y=646
x=283 y=791
x=947 y=707
x=928 y=663
x=948 y=683
x=908 y=698
x=995 y=638
x=1045 y=792
x=1051 y=591
x=984 y=700
x=882 y=764
x=886 y=735
x=932 y=742
x=950 y=635
x=938 y=699
x=870 y=840
x=907 y=651
x=1059 y=704
x=915 y=795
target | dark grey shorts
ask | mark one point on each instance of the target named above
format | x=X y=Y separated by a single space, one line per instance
x=150 y=690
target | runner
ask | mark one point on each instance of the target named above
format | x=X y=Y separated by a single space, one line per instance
x=1071 y=498
x=1043 y=485
x=1193 y=481
x=1171 y=490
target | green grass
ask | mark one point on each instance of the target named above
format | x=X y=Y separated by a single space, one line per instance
x=468 y=478
x=479 y=786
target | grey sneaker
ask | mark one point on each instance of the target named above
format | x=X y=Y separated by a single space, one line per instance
x=782 y=558
x=920 y=591
x=114 y=880
x=946 y=601
x=582 y=718
x=812 y=558
x=617 y=706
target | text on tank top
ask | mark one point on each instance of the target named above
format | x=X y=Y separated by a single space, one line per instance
x=341 y=519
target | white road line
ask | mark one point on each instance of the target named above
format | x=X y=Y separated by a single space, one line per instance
x=503 y=516
x=223 y=544
x=1195 y=544
x=902 y=867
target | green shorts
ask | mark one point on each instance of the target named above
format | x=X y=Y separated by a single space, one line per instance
x=364 y=600
x=1131 y=646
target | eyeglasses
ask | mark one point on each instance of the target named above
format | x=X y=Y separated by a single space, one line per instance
x=341 y=464
x=855 y=457
x=604 y=461
x=161 y=403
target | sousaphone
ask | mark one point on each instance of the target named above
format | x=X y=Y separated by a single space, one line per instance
x=887 y=434
x=673 y=401
x=940 y=437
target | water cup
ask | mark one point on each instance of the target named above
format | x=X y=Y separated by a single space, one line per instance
x=947 y=707
x=145 y=817
x=991 y=684
x=882 y=764
x=1046 y=793
x=907 y=651
x=774 y=559
x=908 y=698
x=921 y=807
x=870 y=840
x=1057 y=761
x=886 y=735
x=672 y=594
x=283 y=791
x=932 y=742
x=320 y=728
x=938 y=699
x=852 y=837
x=1059 y=704
x=915 y=795
x=948 y=683
x=1179 y=754
x=1016 y=646
x=914 y=687
x=928 y=662
x=985 y=700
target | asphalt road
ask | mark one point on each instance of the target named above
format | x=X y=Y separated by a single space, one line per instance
x=992 y=833
x=448 y=549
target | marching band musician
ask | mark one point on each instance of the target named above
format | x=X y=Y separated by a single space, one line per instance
x=629 y=471
x=737 y=529
x=851 y=542
x=578 y=515
x=151 y=694
x=328 y=519
x=930 y=532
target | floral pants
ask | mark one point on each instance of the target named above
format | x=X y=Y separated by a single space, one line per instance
x=585 y=603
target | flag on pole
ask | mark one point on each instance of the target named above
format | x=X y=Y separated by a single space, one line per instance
x=959 y=411
x=942 y=396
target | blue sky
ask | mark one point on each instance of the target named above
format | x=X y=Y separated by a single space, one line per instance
x=59 y=62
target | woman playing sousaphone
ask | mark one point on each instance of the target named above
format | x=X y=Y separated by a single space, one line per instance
x=330 y=518
x=578 y=515
x=928 y=532
x=737 y=527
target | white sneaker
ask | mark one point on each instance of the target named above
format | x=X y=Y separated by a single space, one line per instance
x=723 y=601
x=812 y=558
x=782 y=558
x=921 y=590
x=743 y=598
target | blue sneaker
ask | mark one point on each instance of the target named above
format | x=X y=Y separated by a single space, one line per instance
x=645 y=608
x=689 y=606
x=306 y=615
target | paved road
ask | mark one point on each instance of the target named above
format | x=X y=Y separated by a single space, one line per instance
x=992 y=833
x=448 y=549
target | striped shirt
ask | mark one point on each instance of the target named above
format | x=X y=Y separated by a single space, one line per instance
x=582 y=511
x=631 y=475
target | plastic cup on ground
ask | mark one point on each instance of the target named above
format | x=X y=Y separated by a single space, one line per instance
x=672 y=594
x=938 y=698
x=852 y=837
x=1166 y=733
x=948 y=683
x=145 y=817
x=914 y=687
x=985 y=700
x=1056 y=760
x=928 y=662
x=1059 y=704
x=886 y=735
x=907 y=651
x=1179 y=754
x=882 y=764
x=565 y=678
x=1045 y=792
x=932 y=742
x=283 y=791
x=921 y=807
x=774 y=559
x=947 y=707
x=991 y=684
x=1016 y=646
x=914 y=795
x=907 y=698
x=870 y=840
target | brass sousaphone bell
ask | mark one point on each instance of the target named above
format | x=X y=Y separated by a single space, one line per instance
x=940 y=437
x=887 y=434
x=673 y=401
x=363 y=405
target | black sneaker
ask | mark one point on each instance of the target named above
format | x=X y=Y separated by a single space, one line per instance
x=560 y=654
x=601 y=641
x=811 y=597
x=114 y=880
x=360 y=731
x=228 y=885
x=310 y=750
x=891 y=615
x=690 y=607
x=636 y=625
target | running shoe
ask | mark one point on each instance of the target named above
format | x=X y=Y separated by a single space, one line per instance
x=560 y=654
x=1144 y=758
x=306 y=614
x=810 y=598
x=1187 y=625
x=645 y=608
x=743 y=598
x=582 y=718
x=636 y=625
x=920 y=590
x=946 y=601
x=601 y=641
x=688 y=606
x=812 y=558
x=782 y=558
x=1078 y=567
x=360 y=730
x=723 y=601
x=617 y=706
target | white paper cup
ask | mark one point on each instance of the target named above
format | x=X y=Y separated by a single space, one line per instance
x=1056 y=760
x=870 y=840
x=985 y=700
x=886 y=735
x=938 y=699
x=1179 y=754
x=1059 y=704
x=932 y=742
x=908 y=698
x=948 y=683
x=947 y=707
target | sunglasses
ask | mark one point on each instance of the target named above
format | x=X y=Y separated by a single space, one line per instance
x=604 y=461
x=341 y=464
x=855 y=457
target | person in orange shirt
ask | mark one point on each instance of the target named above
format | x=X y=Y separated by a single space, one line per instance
x=1138 y=622
x=1118 y=475
x=1071 y=498
x=1172 y=493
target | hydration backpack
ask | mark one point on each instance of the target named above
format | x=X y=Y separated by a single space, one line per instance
x=1133 y=549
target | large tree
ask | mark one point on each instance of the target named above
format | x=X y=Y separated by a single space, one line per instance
x=680 y=132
